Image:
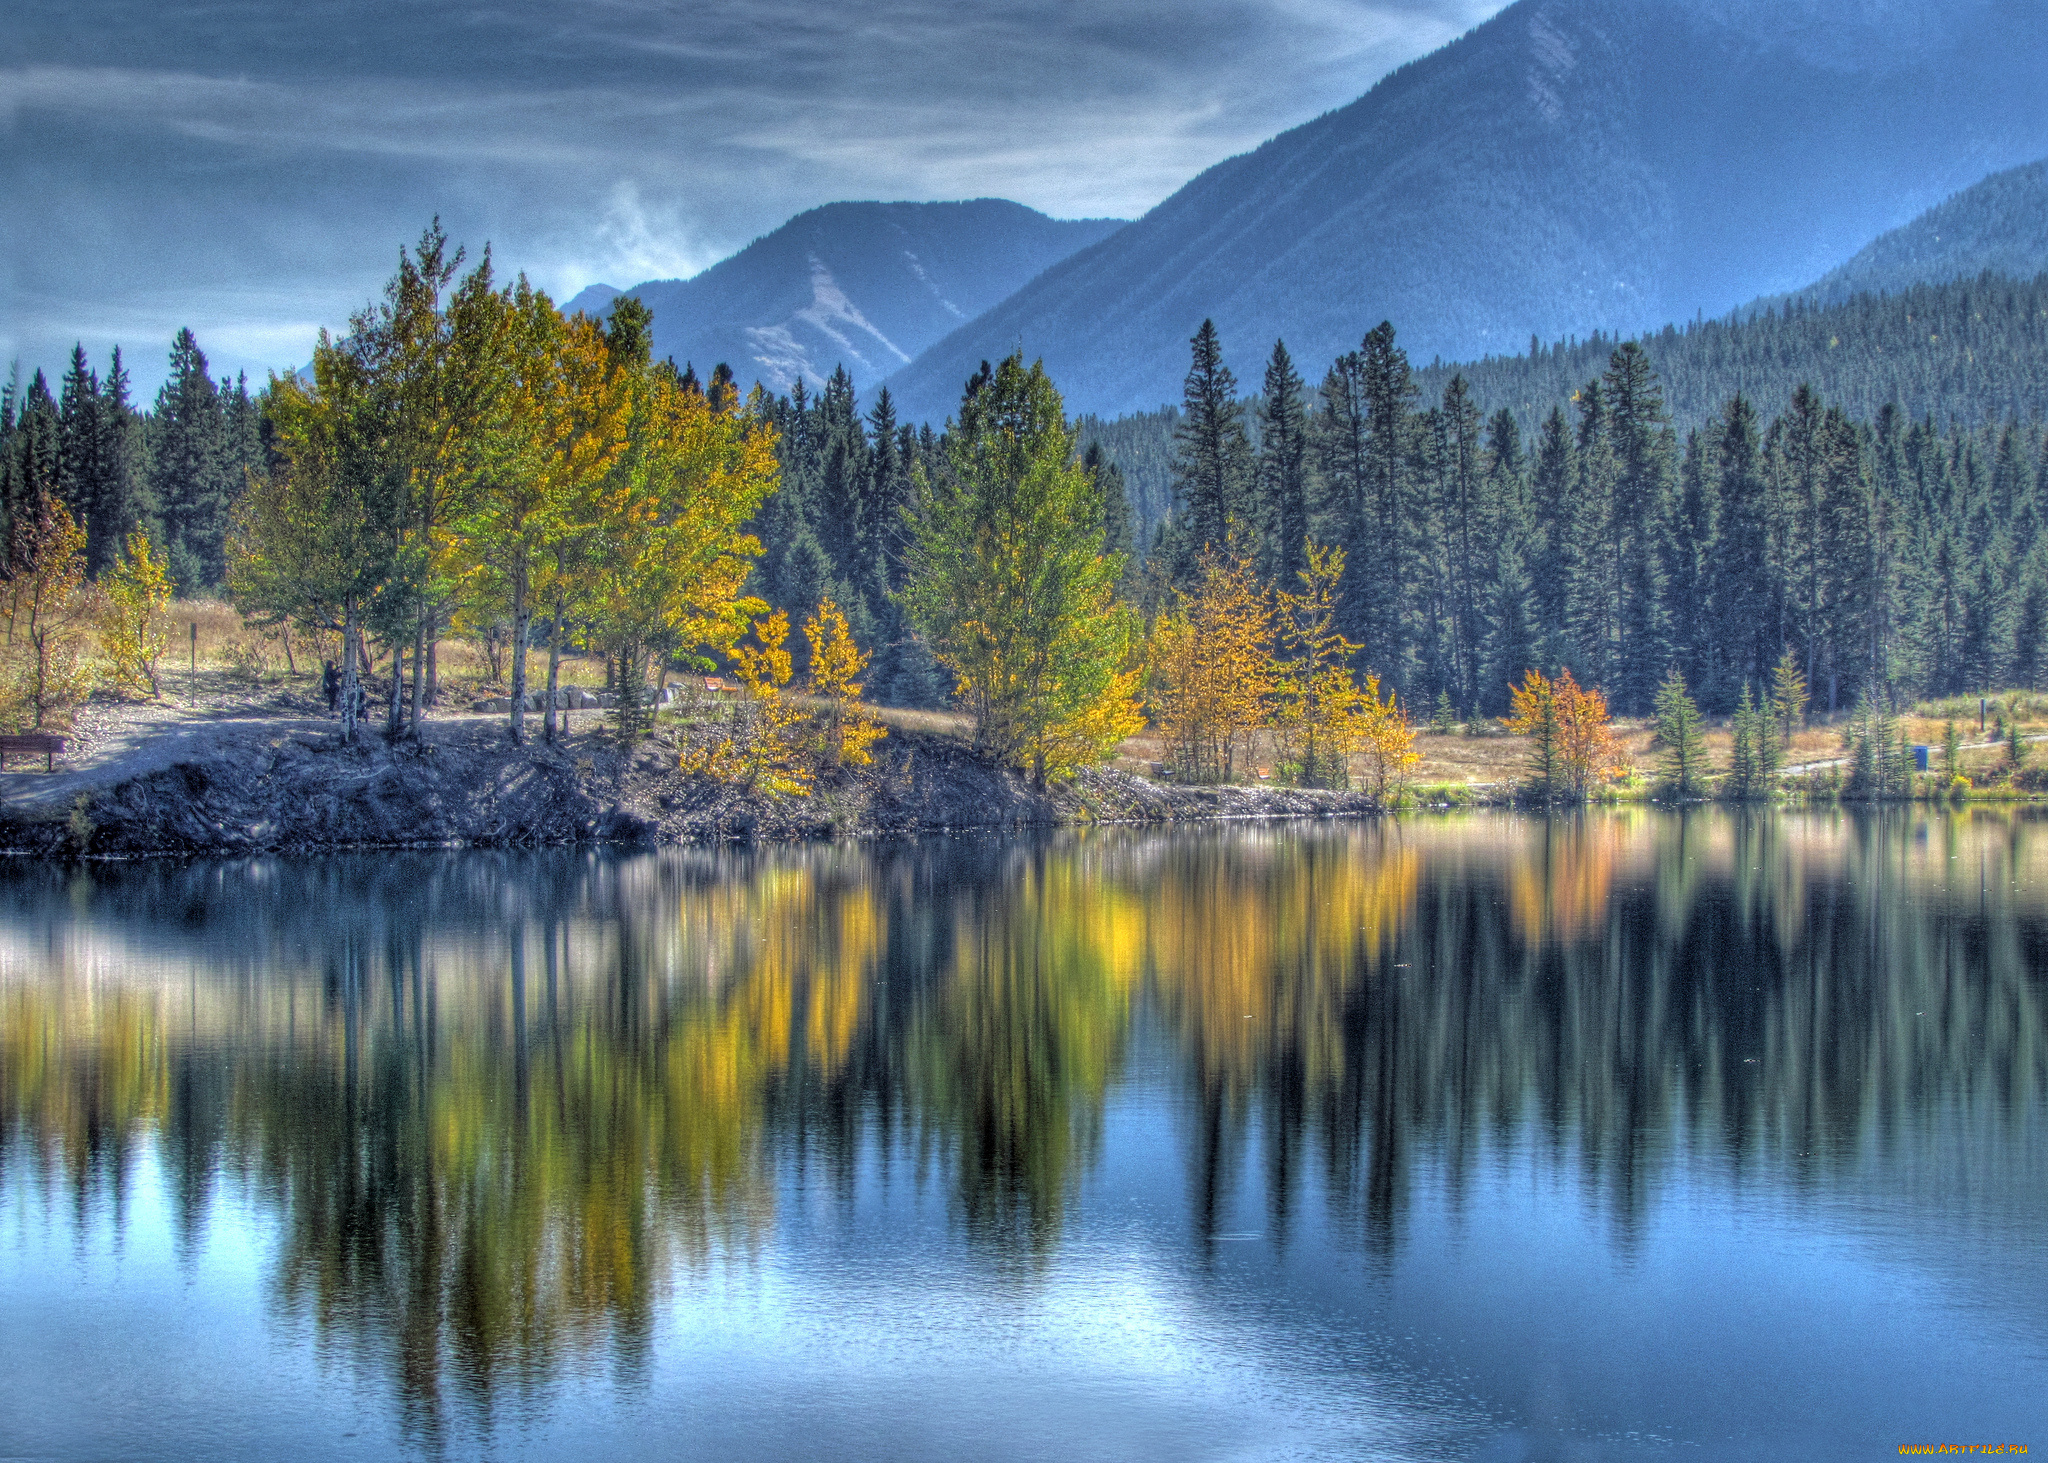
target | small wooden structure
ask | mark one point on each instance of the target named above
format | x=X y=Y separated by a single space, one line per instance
x=47 y=744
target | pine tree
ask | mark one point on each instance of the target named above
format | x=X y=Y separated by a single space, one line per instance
x=187 y=475
x=1213 y=469
x=1560 y=543
x=1788 y=698
x=1639 y=523
x=1283 y=469
x=30 y=465
x=1678 y=731
x=1378 y=556
x=1745 y=766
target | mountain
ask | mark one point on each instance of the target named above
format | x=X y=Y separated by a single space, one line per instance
x=1570 y=165
x=1999 y=225
x=869 y=285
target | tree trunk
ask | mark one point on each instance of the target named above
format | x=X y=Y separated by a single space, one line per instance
x=520 y=627
x=394 y=709
x=419 y=665
x=348 y=672
x=554 y=678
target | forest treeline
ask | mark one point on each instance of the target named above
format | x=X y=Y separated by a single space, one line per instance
x=1966 y=351
x=173 y=471
x=467 y=458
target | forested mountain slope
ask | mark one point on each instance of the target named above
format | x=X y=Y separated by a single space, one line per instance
x=1960 y=352
x=1999 y=224
x=1570 y=165
x=866 y=285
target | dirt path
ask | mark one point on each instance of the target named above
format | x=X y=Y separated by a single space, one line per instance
x=211 y=715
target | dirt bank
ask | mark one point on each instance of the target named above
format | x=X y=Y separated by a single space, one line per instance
x=274 y=777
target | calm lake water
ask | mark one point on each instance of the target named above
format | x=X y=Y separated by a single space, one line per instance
x=1489 y=1137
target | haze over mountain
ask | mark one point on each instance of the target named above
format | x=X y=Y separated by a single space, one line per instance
x=869 y=285
x=1999 y=224
x=1569 y=165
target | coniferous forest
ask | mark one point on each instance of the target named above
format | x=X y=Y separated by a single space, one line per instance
x=1863 y=485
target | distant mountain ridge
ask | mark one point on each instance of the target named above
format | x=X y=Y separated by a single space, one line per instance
x=1998 y=225
x=867 y=285
x=1569 y=166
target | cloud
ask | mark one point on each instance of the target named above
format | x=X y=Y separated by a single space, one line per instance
x=248 y=168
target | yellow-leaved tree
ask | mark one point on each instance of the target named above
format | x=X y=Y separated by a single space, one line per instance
x=845 y=730
x=1212 y=670
x=133 y=597
x=1319 y=713
x=43 y=595
x=670 y=551
x=767 y=744
x=1571 y=744
x=1009 y=585
x=560 y=429
x=1386 y=739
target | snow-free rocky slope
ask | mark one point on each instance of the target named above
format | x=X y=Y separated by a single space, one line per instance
x=1569 y=165
x=864 y=285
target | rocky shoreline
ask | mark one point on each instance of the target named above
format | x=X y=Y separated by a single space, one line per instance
x=290 y=786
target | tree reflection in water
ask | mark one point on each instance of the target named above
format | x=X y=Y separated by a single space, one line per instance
x=498 y=1102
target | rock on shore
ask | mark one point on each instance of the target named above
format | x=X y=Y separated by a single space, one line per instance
x=467 y=786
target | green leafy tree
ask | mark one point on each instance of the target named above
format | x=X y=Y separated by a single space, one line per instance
x=1011 y=588
x=134 y=594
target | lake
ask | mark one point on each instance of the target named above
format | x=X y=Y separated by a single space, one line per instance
x=1614 y=1136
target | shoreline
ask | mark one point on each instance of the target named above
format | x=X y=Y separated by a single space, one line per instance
x=262 y=785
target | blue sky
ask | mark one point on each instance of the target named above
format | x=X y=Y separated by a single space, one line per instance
x=250 y=169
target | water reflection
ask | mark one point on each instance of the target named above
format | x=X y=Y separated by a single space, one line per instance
x=498 y=1103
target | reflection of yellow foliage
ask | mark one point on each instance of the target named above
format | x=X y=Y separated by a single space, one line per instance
x=1250 y=940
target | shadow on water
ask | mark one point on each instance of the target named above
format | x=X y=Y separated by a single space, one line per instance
x=498 y=1102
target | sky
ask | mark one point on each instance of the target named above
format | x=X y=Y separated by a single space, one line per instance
x=251 y=168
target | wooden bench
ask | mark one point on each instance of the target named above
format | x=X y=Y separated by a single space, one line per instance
x=32 y=743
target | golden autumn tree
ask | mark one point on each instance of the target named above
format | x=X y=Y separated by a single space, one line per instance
x=1571 y=743
x=845 y=731
x=1318 y=707
x=766 y=745
x=43 y=595
x=1009 y=584
x=560 y=429
x=1384 y=737
x=670 y=551
x=134 y=594
x=1212 y=670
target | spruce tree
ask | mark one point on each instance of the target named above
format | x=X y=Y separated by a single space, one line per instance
x=1789 y=697
x=1678 y=731
x=1377 y=559
x=1213 y=468
x=186 y=468
x=1283 y=469
x=1745 y=771
x=1639 y=522
x=1559 y=556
